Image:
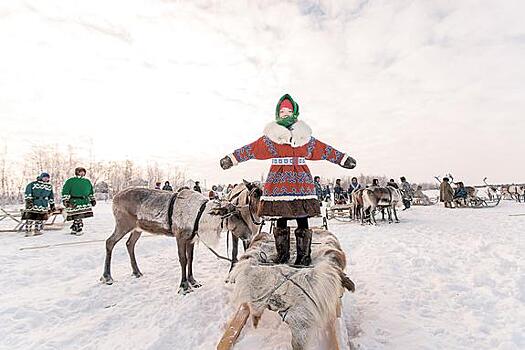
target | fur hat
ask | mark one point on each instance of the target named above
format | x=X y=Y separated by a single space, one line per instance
x=79 y=169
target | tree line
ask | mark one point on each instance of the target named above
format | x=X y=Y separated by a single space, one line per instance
x=107 y=176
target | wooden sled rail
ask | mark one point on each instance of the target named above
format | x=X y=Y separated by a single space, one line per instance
x=234 y=328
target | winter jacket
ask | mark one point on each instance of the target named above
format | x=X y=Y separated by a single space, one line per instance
x=318 y=191
x=39 y=195
x=77 y=195
x=446 y=193
x=353 y=188
x=461 y=192
x=289 y=190
x=167 y=188
x=406 y=190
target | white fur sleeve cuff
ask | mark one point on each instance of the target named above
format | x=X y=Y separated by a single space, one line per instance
x=234 y=160
x=345 y=157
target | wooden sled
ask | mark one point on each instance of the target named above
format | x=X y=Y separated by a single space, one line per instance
x=334 y=337
x=20 y=225
x=340 y=212
x=420 y=201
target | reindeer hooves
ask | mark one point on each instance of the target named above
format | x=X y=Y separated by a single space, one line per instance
x=195 y=284
x=107 y=280
x=184 y=288
x=138 y=274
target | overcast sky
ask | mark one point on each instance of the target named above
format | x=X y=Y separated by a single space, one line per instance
x=414 y=88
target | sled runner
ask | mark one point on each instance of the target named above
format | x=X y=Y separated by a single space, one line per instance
x=478 y=202
x=421 y=201
x=339 y=212
x=20 y=225
x=308 y=299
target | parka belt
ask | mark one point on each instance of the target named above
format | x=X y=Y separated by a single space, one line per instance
x=289 y=161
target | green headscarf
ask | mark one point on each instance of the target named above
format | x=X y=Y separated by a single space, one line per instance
x=288 y=121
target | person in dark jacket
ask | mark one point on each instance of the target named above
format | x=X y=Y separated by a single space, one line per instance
x=392 y=183
x=167 y=187
x=157 y=185
x=339 y=193
x=460 y=195
x=406 y=192
x=39 y=202
x=318 y=188
x=197 y=187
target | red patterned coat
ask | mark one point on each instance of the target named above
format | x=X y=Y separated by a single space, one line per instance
x=289 y=190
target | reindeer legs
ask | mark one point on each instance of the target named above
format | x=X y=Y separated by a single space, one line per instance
x=189 y=251
x=130 y=244
x=122 y=227
x=184 y=286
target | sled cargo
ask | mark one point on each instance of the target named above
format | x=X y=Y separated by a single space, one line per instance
x=308 y=299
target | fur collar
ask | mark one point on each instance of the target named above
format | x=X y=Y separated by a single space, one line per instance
x=298 y=135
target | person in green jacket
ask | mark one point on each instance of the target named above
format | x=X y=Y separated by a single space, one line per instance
x=78 y=198
x=39 y=201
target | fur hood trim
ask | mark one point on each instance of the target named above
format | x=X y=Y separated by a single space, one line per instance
x=298 y=135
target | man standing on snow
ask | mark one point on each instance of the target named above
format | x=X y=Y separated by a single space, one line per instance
x=318 y=188
x=289 y=190
x=40 y=201
x=406 y=192
x=446 y=193
x=78 y=198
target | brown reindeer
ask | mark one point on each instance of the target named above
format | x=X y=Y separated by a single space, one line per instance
x=380 y=197
x=186 y=215
x=357 y=203
x=245 y=197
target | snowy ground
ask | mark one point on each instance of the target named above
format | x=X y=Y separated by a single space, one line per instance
x=441 y=279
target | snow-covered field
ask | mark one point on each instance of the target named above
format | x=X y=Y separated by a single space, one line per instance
x=441 y=279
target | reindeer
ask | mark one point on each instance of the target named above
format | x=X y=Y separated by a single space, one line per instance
x=380 y=197
x=246 y=198
x=186 y=215
x=357 y=203
x=492 y=191
x=516 y=192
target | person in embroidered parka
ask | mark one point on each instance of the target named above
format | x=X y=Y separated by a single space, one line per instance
x=289 y=190
x=78 y=198
x=40 y=202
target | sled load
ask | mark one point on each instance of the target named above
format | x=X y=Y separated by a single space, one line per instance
x=308 y=299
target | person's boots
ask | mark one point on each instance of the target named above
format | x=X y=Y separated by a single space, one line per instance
x=29 y=228
x=303 y=242
x=39 y=226
x=282 y=244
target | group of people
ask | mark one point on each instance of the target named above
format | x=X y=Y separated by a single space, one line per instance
x=167 y=186
x=343 y=196
x=452 y=198
x=77 y=197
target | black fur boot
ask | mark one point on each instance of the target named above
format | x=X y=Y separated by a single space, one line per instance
x=282 y=244
x=303 y=239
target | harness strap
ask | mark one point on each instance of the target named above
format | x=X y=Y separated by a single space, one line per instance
x=170 y=211
x=197 y=219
